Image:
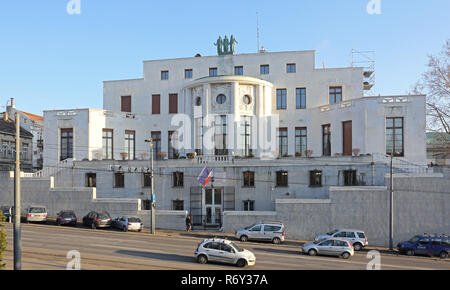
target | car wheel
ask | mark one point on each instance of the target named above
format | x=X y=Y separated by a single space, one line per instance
x=93 y=226
x=243 y=238
x=276 y=241
x=346 y=255
x=443 y=255
x=241 y=263
x=410 y=252
x=312 y=252
x=202 y=259
x=124 y=229
x=357 y=247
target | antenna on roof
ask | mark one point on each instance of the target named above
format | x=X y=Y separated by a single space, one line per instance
x=257 y=30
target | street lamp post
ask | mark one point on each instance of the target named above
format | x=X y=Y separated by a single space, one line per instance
x=391 y=203
x=152 y=229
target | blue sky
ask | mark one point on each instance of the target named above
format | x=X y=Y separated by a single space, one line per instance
x=52 y=60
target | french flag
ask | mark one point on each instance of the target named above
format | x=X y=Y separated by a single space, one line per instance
x=205 y=176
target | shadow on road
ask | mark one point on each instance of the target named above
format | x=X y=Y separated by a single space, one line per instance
x=277 y=251
x=158 y=256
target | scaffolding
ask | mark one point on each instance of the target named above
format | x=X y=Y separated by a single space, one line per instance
x=366 y=60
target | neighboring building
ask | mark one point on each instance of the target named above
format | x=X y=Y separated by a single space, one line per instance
x=271 y=124
x=438 y=148
x=35 y=125
x=8 y=146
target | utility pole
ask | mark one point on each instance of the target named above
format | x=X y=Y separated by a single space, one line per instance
x=17 y=209
x=391 y=214
x=153 y=207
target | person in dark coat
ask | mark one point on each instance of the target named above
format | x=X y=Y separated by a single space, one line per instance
x=188 y=223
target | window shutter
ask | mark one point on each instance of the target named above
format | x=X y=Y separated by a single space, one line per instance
x=173 y=103
x=126 y=104
x=156 y=102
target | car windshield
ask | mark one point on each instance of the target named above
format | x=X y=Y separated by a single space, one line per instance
x=332 y=232
x=67 y=214
x=249 y=227
x=103 y=215
x=37 y=210
x=239 y=249
x=134 y=220
x=413 y=240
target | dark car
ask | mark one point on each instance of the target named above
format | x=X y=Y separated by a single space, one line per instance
x=66 y=217
x=97 y=220
x=7 y=212
x=429 y=245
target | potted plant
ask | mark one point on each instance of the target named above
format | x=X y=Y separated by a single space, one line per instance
x=309 y=153
x=356 y=151
x=98 y=155
x=124 y=155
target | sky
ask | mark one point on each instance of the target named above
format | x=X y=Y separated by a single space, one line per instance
x=51 y=59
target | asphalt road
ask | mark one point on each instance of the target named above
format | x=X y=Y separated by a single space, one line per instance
x=45 y=247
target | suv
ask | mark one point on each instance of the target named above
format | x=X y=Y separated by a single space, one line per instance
x=357 y=238
x=426 y=245
x=224 y=251
x=270 y=231
x=97 y=220
x=37 y=213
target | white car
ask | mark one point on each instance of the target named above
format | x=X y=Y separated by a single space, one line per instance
x=128 y=223
x=357 y=238
x=36 y=213
x=223 y=251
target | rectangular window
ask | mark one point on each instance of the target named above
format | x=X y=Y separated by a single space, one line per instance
x=156 y=104
x=282 y=141
x=173 y=144
x=249 y=178
x=156 y=136
x=107 y=144
x=300 y=141
x=173 y=103
x=335 y=95
x=315 y=178
x=246 y=129
x=213 y=71
x=188 y=73
x=178 y=179
x=394 y=136
x=129 y=145
x=91 y=180
x=291 y=68
x=249 y=205
x=264 y=69
x=147 y=179
x=125 y=104
x=66 y=144
x=281 y=99
x=350 y=178
x=24 y=153
x=119 y=180
x=326 y=140
x=164 y=75
x=177 y=204
x=220 y=135
x=282 y=178
x=301 y=98
x=239 y=70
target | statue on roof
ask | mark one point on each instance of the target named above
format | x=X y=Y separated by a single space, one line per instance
x=219 y=45
x=225 y=46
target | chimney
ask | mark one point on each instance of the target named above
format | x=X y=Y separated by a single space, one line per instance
x=5 y=116
x=13 y=106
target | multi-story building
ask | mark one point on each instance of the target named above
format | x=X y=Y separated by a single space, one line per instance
x=256 y=118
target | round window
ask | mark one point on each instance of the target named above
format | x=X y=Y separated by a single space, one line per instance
x=221 y=99
x=247 y=100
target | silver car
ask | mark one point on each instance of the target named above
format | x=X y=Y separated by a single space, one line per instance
x=128 y=223
x=37 y=213
x=356 y=237
x=223 y=251
x=273 y=231
x=329 y=247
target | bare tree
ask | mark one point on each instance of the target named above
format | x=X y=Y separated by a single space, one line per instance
x=435 y=83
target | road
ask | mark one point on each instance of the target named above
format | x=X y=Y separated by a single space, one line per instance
x=45 y=247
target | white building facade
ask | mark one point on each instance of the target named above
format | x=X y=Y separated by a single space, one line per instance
x=246 y=111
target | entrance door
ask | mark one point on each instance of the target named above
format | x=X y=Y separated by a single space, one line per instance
x=213 y=206
x=347 y=138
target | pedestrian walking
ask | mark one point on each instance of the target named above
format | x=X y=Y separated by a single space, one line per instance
x=188 y=223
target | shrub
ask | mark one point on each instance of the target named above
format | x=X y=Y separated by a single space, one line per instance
x=3 y=242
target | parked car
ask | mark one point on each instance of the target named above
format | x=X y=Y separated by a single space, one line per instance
x=223 y=251
x=356 y=237
x=97 y=220
x=128 y=223
x=66 y=217
x=329 y=247
x=430 y=245
x=7 y=212
x=36 y=213
x=270 y=231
